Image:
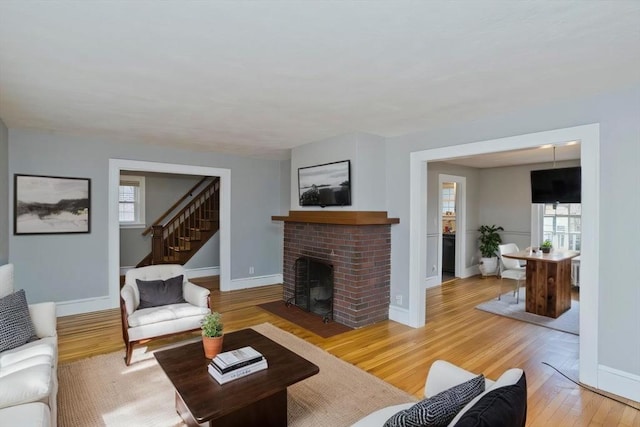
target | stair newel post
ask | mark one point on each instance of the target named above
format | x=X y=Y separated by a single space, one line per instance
x=157 y=249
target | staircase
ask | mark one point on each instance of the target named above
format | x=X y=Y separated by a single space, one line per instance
x=183 y=235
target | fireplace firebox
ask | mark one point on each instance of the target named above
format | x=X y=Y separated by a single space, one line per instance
x=314 y=287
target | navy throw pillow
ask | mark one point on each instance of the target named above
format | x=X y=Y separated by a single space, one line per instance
x=154 y=293
x=503 y=407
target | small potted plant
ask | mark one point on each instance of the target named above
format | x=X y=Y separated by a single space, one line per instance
x=212 y=334
x=546 y=246
x=489 y=242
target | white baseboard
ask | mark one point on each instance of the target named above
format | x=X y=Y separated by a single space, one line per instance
x=399 y=314
x=619 y=382
x=432 y=282
x=254 y=282
x=79 y=306
x=203 y=272
x=474 y=270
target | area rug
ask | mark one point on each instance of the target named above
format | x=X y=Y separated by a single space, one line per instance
x=103 y=391
x=569 y=321
x=309 y=321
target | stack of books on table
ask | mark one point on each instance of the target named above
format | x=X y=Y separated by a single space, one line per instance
x=234 y=364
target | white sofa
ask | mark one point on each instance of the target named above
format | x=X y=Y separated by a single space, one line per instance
x=140 y=325
x=29 y=374
x=444 y=375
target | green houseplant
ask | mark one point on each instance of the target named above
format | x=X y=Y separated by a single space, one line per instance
x=546 y=246
x=212 y=334
x=489 y=240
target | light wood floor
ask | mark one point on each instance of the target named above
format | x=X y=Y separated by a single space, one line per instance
x=400 y=355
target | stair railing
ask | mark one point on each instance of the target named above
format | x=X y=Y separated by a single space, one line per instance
x=170 y=239
x=174 y=206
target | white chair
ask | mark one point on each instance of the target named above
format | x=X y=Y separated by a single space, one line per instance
x=511 y=269
x=139 y=325
x=575 y=271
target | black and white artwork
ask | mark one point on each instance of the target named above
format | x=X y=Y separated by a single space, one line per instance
x=325 y=185
x=51 y=205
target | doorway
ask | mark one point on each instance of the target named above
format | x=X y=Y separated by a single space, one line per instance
x=117 y=165
x=452 y=229
x=589 y=137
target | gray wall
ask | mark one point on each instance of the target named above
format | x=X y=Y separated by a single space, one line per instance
x=70 y=267
x=162 y=191
x=618 y=114
x=4 y=194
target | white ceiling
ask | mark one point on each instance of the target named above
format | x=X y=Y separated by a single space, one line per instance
x=259 y=78
x=569 y=150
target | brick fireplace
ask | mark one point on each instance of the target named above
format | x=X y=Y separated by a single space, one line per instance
x=358 y=246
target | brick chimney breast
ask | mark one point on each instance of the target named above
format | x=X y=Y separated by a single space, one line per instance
x=361 y=259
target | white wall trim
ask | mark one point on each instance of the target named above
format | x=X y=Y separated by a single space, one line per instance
x=254 y=282
x=432 y=282
x=115 y=166
x=619 y=382
x=399 y=314
x=193 y=273
x=589 y=137
x=79 y=306
x=470 y=271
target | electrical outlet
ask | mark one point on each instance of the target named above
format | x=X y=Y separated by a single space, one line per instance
x=399 y=299
x=251 y=270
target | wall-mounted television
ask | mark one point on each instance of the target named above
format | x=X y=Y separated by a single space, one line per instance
x=323 y=185
x=561 y=185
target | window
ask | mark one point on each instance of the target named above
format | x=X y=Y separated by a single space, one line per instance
x=131 y=201
x=448 y=198
x=562 y=225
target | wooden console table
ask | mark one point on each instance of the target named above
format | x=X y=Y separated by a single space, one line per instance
x=548 y=281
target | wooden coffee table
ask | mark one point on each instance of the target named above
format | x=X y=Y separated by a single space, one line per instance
x=257 y=399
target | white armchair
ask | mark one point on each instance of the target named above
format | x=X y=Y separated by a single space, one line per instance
x=142 y=324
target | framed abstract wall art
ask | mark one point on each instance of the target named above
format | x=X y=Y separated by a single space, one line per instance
x=51 y=205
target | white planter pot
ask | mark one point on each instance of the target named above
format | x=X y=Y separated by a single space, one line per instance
x=489 y=266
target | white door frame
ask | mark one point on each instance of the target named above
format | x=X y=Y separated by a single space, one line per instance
x=589 y=137
x=115 y=166
x=461 y=222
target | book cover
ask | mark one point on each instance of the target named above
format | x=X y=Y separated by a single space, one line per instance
x=234 y=357
x=238 y=373
x=239 y=365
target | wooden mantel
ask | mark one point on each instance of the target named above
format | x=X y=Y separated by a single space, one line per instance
x=339 y=217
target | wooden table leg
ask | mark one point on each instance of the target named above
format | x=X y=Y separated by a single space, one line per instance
x=548 y=287
x=268 y=412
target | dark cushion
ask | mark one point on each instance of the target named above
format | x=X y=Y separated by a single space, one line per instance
x=440 y=409
x=16 y=327
x=154 y=293
x=503 y=407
